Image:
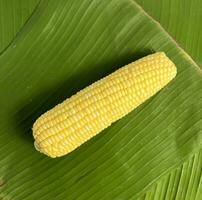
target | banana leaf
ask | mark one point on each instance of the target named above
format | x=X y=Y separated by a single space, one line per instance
x=152 y=153
x=182 y=19
x=13 y=15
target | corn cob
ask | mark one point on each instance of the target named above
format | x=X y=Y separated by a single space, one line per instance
x=79 y=118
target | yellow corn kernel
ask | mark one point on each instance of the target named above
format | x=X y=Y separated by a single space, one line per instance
x=91 y=110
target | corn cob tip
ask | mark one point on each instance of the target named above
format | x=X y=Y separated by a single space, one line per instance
x=171 y=66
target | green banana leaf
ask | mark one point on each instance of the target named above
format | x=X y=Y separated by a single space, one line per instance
x=182 y=19
x=13 y=15
x=63 y=46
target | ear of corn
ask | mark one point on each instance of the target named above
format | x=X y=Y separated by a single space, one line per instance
x=79 y=118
